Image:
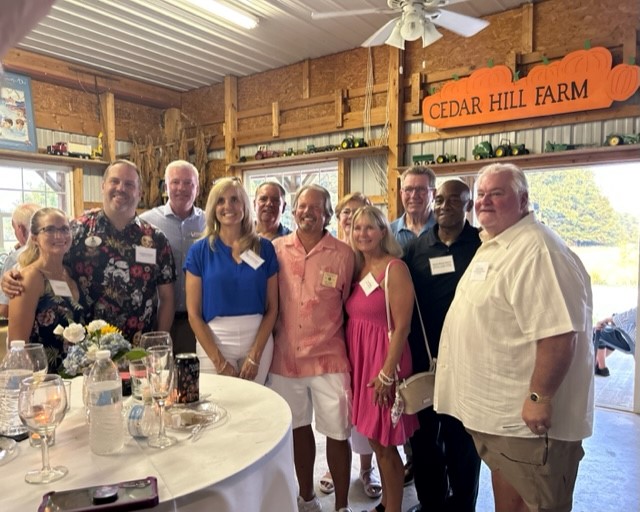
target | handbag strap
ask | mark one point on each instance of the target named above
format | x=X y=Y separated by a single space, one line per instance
x=424 y=332
x=386 y=300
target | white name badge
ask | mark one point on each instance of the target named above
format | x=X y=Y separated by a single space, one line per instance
x=479 y=270
x=60 y=288
x=442 y=265
x=145 y=255
x=251 y=259
x=329 y=280
x=368 y=284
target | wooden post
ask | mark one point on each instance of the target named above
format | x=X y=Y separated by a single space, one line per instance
x=396 y=130
x=275 y=119
x=231 y=149
x=108 y=110
x=78 y=191
x=172 y=124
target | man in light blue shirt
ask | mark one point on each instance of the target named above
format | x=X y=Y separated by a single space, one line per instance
x=21 y=223
x=182 y=223
x=417 y=190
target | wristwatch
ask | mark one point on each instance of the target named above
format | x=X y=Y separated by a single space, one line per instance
x=539 y=399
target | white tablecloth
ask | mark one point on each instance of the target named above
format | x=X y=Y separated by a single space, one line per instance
x=245 y=464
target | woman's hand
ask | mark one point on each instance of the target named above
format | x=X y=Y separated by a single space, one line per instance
x=383 y=394
x=250 y=367
x=228 y=370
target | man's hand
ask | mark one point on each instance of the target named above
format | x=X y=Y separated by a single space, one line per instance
x=12 y=283
x=537 y=416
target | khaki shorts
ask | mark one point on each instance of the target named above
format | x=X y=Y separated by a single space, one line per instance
x=327 y=396
x=542 y=470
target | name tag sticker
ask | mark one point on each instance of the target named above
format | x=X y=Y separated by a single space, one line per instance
x=368 y=284
x=60 y=288
x=479 y=271
x=145 y=255
x=251 y=259
x=442 y=265
x=329 y=280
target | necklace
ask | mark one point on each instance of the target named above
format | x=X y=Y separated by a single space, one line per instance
x=57 y=275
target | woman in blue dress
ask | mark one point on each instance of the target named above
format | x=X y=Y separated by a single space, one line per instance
x=232 y=288
x=51 y=297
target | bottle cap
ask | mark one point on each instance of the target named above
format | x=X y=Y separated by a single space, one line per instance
x=103 y=354
x=17 y=344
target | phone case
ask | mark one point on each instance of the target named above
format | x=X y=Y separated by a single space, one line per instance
x=123 y=496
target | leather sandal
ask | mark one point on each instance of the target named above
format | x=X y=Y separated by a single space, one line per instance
x=326 y=484
x=371 y=483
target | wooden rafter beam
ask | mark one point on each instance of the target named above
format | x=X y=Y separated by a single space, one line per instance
x=50 y=70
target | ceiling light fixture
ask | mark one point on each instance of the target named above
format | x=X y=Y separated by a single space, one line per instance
x=242 y=19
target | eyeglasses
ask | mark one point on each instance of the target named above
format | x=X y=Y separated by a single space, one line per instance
x=417 y=190
x=52 y=230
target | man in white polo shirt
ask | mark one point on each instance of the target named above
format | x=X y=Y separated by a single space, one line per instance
x=516 y=358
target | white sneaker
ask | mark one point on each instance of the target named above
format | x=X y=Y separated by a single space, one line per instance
x=344 y=509
x=309 y=506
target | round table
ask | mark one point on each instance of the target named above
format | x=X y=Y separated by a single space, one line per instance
x=245 y=463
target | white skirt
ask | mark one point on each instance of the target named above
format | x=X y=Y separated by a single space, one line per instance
x=234 y=337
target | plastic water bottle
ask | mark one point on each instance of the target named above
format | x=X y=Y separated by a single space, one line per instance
x=16 y=366
x=106 y=429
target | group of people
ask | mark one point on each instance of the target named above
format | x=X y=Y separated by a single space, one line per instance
x=506 y=312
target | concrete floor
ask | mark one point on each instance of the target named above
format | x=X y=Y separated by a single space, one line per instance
x=609 y=473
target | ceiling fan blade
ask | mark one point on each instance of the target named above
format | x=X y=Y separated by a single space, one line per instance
x=340 y=14
x=461 y=24
x=382 y=34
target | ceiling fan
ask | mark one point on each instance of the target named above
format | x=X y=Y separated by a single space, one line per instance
x=417 y=19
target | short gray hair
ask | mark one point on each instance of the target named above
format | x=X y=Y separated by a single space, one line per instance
x=179 y=164
x=420 y=170
x=518 y=178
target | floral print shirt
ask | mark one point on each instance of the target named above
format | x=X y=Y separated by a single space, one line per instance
x=118 y=272
x=54 y=310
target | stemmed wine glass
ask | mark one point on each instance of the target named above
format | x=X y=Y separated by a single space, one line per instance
x=42 y=404
x=155 y=339
x=160 y=370
x=38 y=357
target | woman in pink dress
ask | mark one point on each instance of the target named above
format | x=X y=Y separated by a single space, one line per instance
x=377 y=360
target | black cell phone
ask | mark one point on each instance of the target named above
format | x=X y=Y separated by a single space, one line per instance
x=130 y=495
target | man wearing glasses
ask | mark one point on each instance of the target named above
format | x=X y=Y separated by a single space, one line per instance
x=418 y=185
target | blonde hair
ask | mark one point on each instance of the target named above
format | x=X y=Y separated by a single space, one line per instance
x=248 y=236
x=353 y=196
x=388 y=244
x=31 y=252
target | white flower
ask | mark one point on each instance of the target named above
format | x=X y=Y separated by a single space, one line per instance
x=59 y=330
x=74 y=333
x=92 y=351
x=96 y=325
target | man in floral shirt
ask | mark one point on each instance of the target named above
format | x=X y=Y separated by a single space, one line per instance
x=124 y=266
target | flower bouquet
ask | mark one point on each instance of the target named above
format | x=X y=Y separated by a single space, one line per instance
x=85 y=342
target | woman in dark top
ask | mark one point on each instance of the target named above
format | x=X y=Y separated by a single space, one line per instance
x=51 y=297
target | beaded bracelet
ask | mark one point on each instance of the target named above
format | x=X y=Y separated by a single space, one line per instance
x=252 y=362
x=385 y=379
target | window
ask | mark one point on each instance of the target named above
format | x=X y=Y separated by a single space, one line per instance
x=292 y=178
x=29 y=183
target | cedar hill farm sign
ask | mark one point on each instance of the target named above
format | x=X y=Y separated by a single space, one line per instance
x=582 y=80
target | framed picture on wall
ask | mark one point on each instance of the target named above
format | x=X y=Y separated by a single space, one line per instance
x=17 y=129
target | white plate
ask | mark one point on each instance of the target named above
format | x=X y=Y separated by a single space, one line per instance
x=186 y=418
x=8 y=450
